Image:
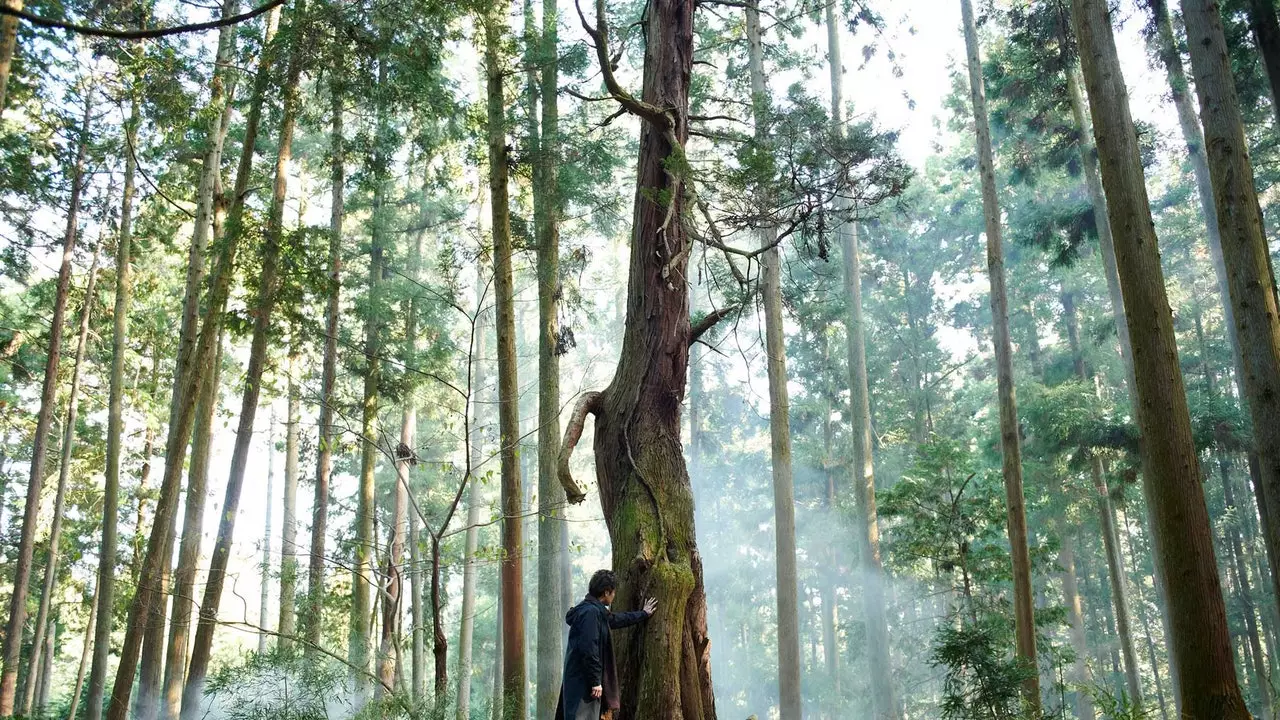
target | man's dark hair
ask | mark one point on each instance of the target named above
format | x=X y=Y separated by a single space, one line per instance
x=602 y=582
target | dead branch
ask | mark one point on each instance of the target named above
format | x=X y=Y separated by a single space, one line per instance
x=589 y=403
x=709 y=321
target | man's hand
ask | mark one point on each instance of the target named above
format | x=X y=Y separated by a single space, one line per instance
x=596 y=692
x=650 y=606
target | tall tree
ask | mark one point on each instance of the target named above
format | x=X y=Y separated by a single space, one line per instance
x=1200 y=644
x=863 y=480
x=1265 y=27
x=1245 y=255
x=479 y=381
x=8 y=45
x=286 y=625
x=779 y=410
x=1010 y=437
x=105 y=588
x=513 y=660
x=12 y=651
x=645 y=492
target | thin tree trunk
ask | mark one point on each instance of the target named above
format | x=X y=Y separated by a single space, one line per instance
x=105 y=588
x=313 y=617
x=12 y=650
x=418 y=617
x=73 y=707
x=1010 y=440
x=64 y=475
x=863 y=478
x=479 y=383
x=1245 y=255
x=289 y=524
x=1200 y=644
x=264 y=567
x=1075 y=617
x=788 y=620
x=193 y=690
x=496 y=708
x=513 y=665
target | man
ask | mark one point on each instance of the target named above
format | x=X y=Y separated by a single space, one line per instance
x=590 y=690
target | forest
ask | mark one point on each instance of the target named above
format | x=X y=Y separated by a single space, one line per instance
x=917 y=360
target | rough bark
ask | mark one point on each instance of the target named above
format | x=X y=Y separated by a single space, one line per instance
x=12 y=649
x=193 y=689
x=1010 y=440
x=788 y=619
x=104 y=593
x=664 y=667
x=1200 y=643
x=1245 y=255
x=60 y=495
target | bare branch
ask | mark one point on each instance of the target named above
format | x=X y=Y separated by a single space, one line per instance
x=138 y=34
x=589 y=403
x=709 y=321
x=600 y=39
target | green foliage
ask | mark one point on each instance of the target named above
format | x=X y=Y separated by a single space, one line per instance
x=982 y=682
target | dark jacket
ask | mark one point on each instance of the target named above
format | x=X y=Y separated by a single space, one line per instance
x=589 y=662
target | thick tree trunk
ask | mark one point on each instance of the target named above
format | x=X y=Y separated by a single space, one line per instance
x=268 y=280
x=784 y=506
x=1010 y=440
x=879 y=664
x=12 y=651
x=513 y=665
x=105 y=589
x=1200 y=643
x=1245 y=255
x=286 y=625
x=60 y=496
x=312 y=619
x=664 y=666
x=466 y=633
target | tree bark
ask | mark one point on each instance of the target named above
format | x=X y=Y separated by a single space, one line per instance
x=1266 y=33
x=788 y=619
x=64 y=475
x=1245 y=255
x=73 y=707
x=1010 y=439
x=664 y=666
x=8 y=44
x=1200 y=643
x=268 y=281
x=12 y=649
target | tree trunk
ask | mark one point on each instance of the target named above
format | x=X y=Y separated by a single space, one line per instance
x=358 y=641
x=289 y=524
x=513 y=666
x=1075 y=618
x=12 y=651
x=466 y=632
x=64 y=475
x=1010 y=440
x=268 y=280
x=1200 y=644
x=184 y=575
x=1245 y=255
x=1235 y=550
x=313 y=617
x=8 y=44
x=264 y=567
x=74 y=706
x=551 y=499
x=664 y=666
x=1266 y=33
x=496 y=706
x=105 y=589
x=863 y=478
x=788 y=621
x=417 y=616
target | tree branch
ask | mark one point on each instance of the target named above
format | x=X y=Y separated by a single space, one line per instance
x=600 y=39
x=146 y=34
x=589 y=403
x=710 y=320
